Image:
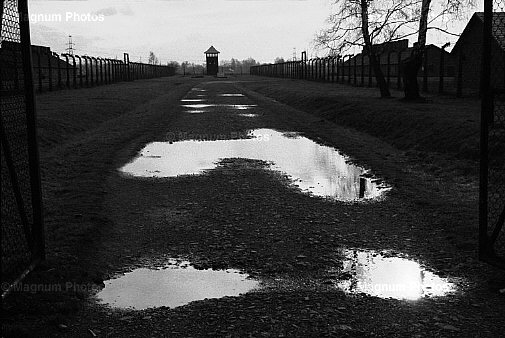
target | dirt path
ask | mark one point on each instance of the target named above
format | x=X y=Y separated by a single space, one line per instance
x=243 y=216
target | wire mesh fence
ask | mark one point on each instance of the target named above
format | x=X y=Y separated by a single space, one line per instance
x=21 y=228
x=492 y=199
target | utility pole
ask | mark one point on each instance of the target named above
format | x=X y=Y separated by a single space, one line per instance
x=70 y=46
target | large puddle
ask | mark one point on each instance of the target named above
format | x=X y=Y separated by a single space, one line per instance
x=314 y=168
x=210 y=105
x=384 y=276
x=231 y=95
x=175 y=285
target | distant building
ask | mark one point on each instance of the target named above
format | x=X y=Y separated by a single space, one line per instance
x=212 y=61
x=396 y=51
x=469 y=49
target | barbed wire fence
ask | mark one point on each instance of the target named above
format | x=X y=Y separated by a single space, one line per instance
x=492 y=168
x=22 y=224
x=53 y=71
x=442 y=72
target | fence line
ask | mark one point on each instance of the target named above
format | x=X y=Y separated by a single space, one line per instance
x=441 y=73
x=53 y=71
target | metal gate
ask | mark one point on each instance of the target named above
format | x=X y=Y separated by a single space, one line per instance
x=21 y=227
x=492 y=168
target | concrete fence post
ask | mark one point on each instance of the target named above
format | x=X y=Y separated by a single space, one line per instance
x=50 y=71
x=74 y=71
x=425 y=71
x=39 y=66
x=399 y=71
x=67 y=66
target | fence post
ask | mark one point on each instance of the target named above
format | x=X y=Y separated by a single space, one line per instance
x=67 y=66
x=38 y=246
x=349 y=68
x=80 y=70
x=50 y=71
x=425 y=71
x=398 y=71
x=39 y=66
x=355 y=70
x=389 y=70
x=379 y=57
x=362 y=71
x=459 y=91
x=369 y=70
x=106 y=65
x=57 y=58
x=333 y=69
x=97 y=70
x=101 y=71
x=74 y=73
x=126 y=57
x=322 y=70
x=86 y=68
x=93 y=75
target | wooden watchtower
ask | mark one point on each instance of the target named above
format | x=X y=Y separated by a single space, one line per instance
x=212 y=61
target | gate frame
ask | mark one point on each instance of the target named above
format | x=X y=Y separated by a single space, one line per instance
x=37 y=245
x=486 y=251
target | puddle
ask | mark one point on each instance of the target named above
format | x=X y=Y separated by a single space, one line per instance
x=232 y=95
x=375 y=274
x=198 y=90
x=193 y=100
x=232 y=106
x=248 y=115
x=195 y=111
x=320 y=170
x=172 y=286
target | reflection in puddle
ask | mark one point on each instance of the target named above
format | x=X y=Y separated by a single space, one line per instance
x=232 y=95
x=232 y=106
x=389 y=277
x=195 y=111
x=193 y=100
x=243 y=106
x=314 y=168
x=198 y=90
x=248 y=115
x=172 y=286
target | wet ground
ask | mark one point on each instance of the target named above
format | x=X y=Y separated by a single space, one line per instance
x=310 y=229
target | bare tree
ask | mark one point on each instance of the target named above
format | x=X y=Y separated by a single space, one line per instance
x=152 y=60
x=412 y=65
x=367 y=23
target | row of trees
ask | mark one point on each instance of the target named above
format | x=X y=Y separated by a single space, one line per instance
x=238 y=67
x=367 y=23
x=231 y=66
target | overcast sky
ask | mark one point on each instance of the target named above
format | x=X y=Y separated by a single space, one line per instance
x=181 y=30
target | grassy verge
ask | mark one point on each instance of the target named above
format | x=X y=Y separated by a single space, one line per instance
x=442 y=126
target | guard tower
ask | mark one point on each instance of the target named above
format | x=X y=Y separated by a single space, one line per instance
x=212 y=61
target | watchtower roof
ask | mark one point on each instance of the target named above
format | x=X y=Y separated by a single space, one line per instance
x=212 y=50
